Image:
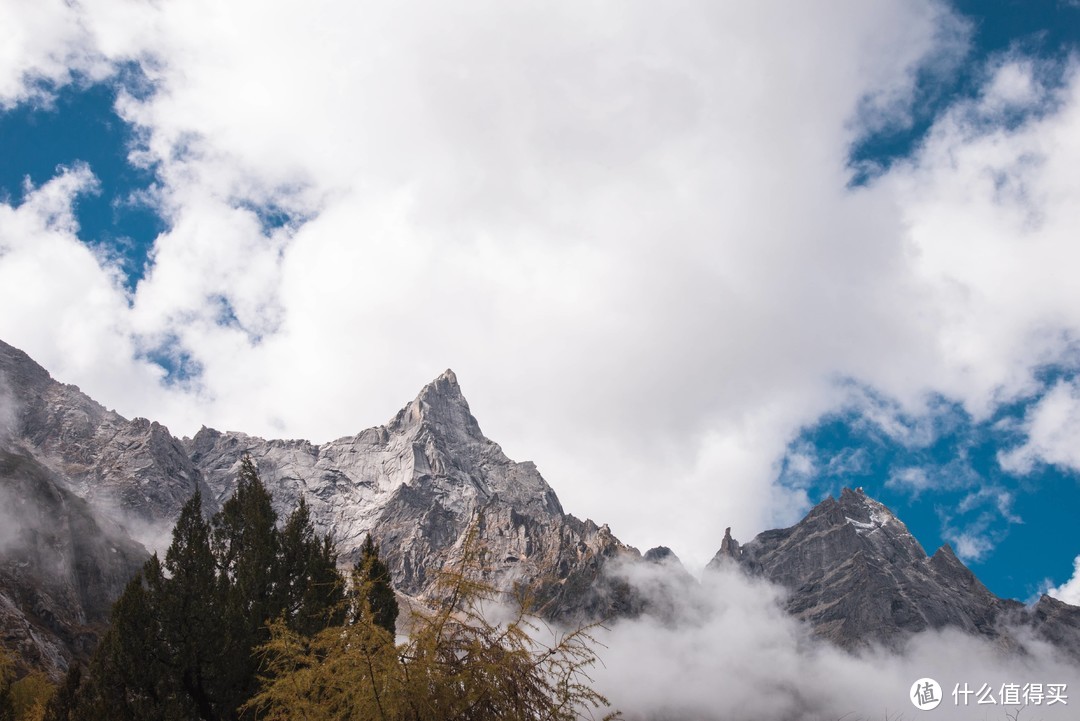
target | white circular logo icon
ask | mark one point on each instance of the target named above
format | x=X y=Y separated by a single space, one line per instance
x=925 y=694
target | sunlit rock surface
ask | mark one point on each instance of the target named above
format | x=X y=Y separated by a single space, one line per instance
x=84 y=482
x=417 y=484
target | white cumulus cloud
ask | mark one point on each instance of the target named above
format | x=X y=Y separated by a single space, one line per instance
x=1069 y=592
x=629 y=230
x=1052 y=429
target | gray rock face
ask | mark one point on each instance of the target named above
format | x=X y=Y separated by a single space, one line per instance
x=135 y=468
x=661 y=555
x=857 y=575
x=61 y=566
x=416 y=484
x=1057 y=622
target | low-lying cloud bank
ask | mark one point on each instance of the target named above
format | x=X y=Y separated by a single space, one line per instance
x=726 y=651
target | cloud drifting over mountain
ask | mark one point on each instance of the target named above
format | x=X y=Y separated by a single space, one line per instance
x=1069 y=592
x=727 y=652
x=632 y=233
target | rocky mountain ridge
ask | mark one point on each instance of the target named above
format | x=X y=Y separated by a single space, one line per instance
x=135 y=468
x=418 y=484
x=856 y=575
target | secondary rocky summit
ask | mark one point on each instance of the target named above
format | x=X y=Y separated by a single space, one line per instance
x=856 y=574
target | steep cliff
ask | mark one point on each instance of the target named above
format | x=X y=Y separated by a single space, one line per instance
x=416 y=484
x=856 y=574
x=61 y=566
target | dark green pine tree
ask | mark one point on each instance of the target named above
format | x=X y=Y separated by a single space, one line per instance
x=182 y=636
x=311 y=589
x=161 y=655
x=130 y=677
x=371 y=576
x=246 y=543
x=63 y=706
x=190 y=611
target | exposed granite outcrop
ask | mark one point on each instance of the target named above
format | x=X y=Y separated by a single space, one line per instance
x=134 y=468
x=856 y=574
x=416 y=484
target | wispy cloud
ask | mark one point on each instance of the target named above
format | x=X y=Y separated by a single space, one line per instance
x=911 y=480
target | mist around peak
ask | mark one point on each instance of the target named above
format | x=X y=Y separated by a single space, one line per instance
x=725 y=650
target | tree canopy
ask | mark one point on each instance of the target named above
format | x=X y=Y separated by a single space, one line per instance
x=24 y=699
x=181 y=636
x=247 y=619
x=371 y=576
x=456 y=664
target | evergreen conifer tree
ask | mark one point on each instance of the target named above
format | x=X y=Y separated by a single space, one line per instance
x=63 y=705
x=371 y=577
x=182 y=635
x=190 y=612
x=311 y=588
x=246 y=545
x=130 y=676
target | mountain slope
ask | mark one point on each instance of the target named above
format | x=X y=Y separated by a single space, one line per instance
x=856 y=574
x=416 y=484
x=61 y=566
x=135 y=468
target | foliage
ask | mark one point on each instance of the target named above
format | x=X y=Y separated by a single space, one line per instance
x=23 y=699
x=29 y=696
x=181 y=636
x=7 y=676
x=372 y=575
x=313 y=590
x=61 y=706
x=457 y=665
x=244 y=619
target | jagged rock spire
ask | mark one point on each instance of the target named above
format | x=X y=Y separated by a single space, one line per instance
x=440 y=406
x=729 y=547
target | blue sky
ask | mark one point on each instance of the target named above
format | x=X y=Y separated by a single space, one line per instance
x=78 y=126
x=1030 y=540
x=943 y=477
x=702 y=270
